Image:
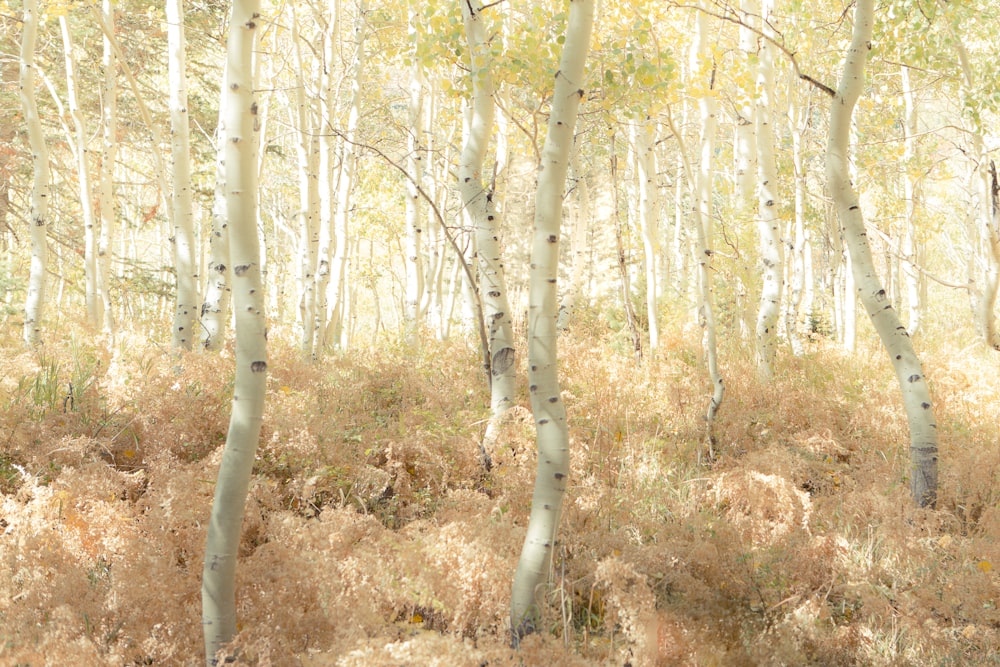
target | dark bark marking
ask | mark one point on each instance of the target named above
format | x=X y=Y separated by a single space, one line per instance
x=503 y=360
x=258 y=366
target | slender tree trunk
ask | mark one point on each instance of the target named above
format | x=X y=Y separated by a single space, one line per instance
x=413 y=235
x=916 y=395
x=631 y=320
x=911 y=197
x=327 y=173
x=547 y=406
x=185 y=250
x=94 y=304
x=768 y=224
x=795 y=309
x=338 y=328
x=482 y=212
x=34 y=307
x=219 y=577
x=215 y=309
x=106 y=194
x=580 y=223
x=307 y=146
x=645 y=142
x=708 y=110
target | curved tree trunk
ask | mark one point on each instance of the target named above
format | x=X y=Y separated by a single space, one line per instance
x=543 y=373
x=482 y=212
x=34 y=306
x=916 y=396
x=219 y=576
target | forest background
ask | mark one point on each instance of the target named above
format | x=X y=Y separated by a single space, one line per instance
x=700 y=248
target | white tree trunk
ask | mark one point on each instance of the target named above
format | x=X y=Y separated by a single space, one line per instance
x=185 y=251
x=415 y=165
x=338 y=330
x=35 y=303
x=909 y=372
x=482 y=212
x=645 y=141
x=746 y=127
x=579 y=218
x=543 y=374
x=708 y=109
x=768 y=224
x=795 y=310
x=215 y=309
x=93 y=301
x=307 y=149
x=911 y=197
x=106 y=195
x=219 y=576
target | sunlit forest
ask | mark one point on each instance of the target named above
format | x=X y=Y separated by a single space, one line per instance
x=499 y=333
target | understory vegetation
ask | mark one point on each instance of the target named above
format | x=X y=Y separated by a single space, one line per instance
x=373 y=535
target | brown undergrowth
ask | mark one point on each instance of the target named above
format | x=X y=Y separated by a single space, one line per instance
x=373 y=537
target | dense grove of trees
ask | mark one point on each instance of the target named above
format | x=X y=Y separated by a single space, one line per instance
x=351 y=172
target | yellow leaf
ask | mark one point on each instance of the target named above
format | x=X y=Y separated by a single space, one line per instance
x=416 y=618
x=985 y=566
x=969 y=631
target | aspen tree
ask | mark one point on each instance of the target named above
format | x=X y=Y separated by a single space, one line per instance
x=911 y=197
x=328 y=169
x=644 y=140
x=771 y=259
x=106 y=174
x=222 y=546
x=795 y=305
x=35 y=302
x=215 y=308
x=547 y=406
x=185 y=251
x=94 y=304
x=307 y=149
x=413 y=235
x=482 y=212
x=338 y=328
x=702 y=65
x=909 y=372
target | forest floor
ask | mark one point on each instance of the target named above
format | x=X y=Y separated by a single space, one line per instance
x=374 y=537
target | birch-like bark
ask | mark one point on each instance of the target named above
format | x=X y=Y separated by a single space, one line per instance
x=579 y=218
x=796 y=283
x=307 y=149
x=631 y=320
x=481 y=209
x=547 y=406
x=106 y=174
x=218 y=292
x=338 y=329
x=909 y=372
x=746 y=127
x=768 y=224
x=328 y=172
x=34 y=307
x=413 y=234
x=911 y=200
x=645 y=142
x=708 y=111
x=222 y=547
x=93 y=301
x=185 y=250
